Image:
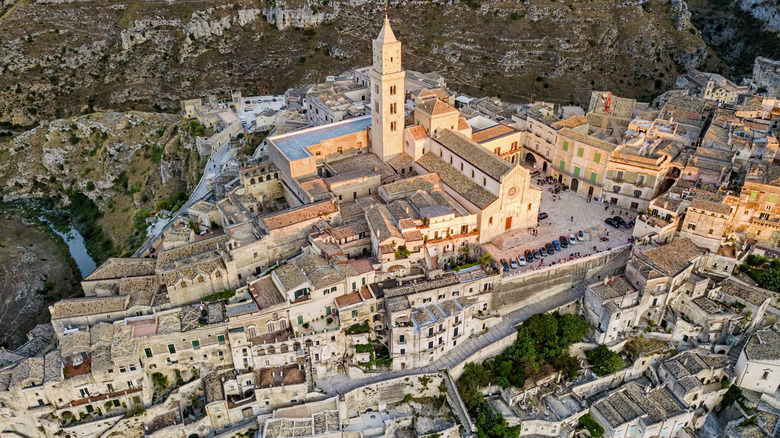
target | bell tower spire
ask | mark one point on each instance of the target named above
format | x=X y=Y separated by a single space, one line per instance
x=387 y=94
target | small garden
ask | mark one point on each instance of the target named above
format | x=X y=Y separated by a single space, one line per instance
x=379 y=355
x=604 y=361
x=764 y=272
x=542 y=345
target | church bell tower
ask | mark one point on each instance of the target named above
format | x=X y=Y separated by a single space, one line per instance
x=387 y=95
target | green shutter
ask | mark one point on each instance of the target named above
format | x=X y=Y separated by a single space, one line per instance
x=327 y=310
x=772 y=198
x=221 y=339
x=354 y=313
x=148 y=352
x=196 y=344
x=576 y=171
x=566 y=146
x=562 y=165
x=597 y=157
x=300 y=319
x=753 y=195
x=593 y=176
x=580 y=152
x=171 y=348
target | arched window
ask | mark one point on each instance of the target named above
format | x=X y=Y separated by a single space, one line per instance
x=252 y=181
x=271 y=327
x=283 y=324
x=250 y=331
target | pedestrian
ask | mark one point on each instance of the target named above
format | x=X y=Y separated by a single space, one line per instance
x=606 y=207
x=572 y=218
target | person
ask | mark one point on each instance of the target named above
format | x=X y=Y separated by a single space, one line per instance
x=606 y=207
x=572 y=218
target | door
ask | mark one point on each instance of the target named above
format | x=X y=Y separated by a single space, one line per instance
x=327 y=310
x=508 y=223
x=300 y=319
x=544 y=166
x=575 y=184
x=560 y=178
x=634 y=205
x=590 y=191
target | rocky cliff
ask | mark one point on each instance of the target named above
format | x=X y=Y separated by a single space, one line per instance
x=122 y=162
x=59 y=58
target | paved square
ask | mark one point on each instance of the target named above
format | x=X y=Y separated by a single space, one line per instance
x=559 y=223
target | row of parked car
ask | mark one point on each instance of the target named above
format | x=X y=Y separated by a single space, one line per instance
x=617 y=222
x=547 y=249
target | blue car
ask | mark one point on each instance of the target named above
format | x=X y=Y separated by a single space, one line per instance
x=505 y=265
x=550 y=249
x=537 y=254
x=557 y=245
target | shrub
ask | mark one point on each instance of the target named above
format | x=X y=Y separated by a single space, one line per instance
x=604 y=360
x=135 y=411
x=596 y=430
x=220 y=296
x=755 y=260
x=329 y=320
x=358 y=328
x=160 y=380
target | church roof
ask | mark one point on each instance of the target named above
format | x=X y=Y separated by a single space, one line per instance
x=436 y=107
x=474 y=154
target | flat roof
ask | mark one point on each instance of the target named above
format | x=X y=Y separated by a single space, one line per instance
x=294 y=144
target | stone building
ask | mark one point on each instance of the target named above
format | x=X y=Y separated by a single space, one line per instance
x=758 y=366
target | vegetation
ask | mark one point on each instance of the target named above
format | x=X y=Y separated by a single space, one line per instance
x=160 y=380
x=219 y=296
x=355 y=329
x=135 y=411
x=604 y=360
x=197 y=129
x=734 y=394
x=596 y=430
x=765 y=273
x=402 y=252
x=542 y=343
x=82 y=214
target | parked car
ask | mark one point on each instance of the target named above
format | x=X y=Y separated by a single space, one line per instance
x=543 y=250
x=619 y=220
x=550 y=248
x=580 y=236
x=572 y=239
x=564 y=241
x=535 y=173
x=521 y=260
x=529 y=256
x=537 y=254
x=612 y=222
x=556 y=245
x=542 y=215
x=505 y=264
x=513 y=263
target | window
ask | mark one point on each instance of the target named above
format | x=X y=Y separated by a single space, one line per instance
x=218 y=274
x=566 y=146
x=637 y=193
x=562 y=165
x=122 y=370
x=363 y=280
x=772 y=198
x=430 y=345
x=753 y=195
x=183 y=284
x=472 y=173
x=497 y=151
x=403 y=351
x=354 y=313
x=392 y=90
x=484 y=181
x=490 y=220
x=393 y=107
x=392 y=126
x=131 y=367
x=580 y=152
x=616 y=189
x=401 y=339
x=619 y=175
x=110 y=387
x=593 y=176
x=376 y=106
x=597 y=157
x=148 y=352
x=710 y=232
x=691 y=226
x=84 y=392
x=765 y=376
x=576 y=171
x=221 y=339
x=171 y=349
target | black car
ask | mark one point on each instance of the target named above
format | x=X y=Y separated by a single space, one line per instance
x=619 y=220
x=612 y=222
x=529 y=256
x=564 y=241
x=550 y=248
x=542 y=215
x=537 y=254
x=505 y=265
x=543 y=251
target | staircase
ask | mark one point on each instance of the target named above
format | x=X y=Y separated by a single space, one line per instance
x=736 y=350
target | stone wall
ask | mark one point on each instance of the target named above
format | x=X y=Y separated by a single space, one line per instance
x=391 y=391
x=511 y=292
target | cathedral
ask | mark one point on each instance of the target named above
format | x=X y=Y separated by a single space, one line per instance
x=434 y=139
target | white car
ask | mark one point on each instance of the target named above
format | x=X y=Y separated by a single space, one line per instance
x=572 y=239
x=521 y=260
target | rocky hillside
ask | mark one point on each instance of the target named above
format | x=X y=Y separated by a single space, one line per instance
x=109 y=167
x=59 y=58
x=739 y=30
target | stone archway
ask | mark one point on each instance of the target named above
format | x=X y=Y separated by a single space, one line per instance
x=575 y=184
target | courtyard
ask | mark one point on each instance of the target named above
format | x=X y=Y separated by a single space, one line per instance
x=586 y=216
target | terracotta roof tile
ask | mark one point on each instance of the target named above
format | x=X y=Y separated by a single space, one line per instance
x=418 y=132
x=491 y=133
x=571 y=123
x=436 y=107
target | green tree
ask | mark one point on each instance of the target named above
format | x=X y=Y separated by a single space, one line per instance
x=567 y=364
x=596 y=430
x=543 y=328
x=755 y=260
x=770 y=279
x=571 y=329
x=734 y=394
x=491 y=424
x=604 y=360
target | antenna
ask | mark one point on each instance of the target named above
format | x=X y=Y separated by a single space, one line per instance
x=386 y=10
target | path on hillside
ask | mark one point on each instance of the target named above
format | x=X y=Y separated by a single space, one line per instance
x=212 y=170
x=341 y=384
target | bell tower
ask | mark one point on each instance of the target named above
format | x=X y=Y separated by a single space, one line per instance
x=387 y=95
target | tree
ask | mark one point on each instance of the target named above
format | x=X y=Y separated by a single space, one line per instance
x=755 y=260
x=543 y=328
x=604 y=360
x=770 y=279
x=571 y=329
x=734 y=394
x=491 y=424
x=596 y=430
x=567 y=364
